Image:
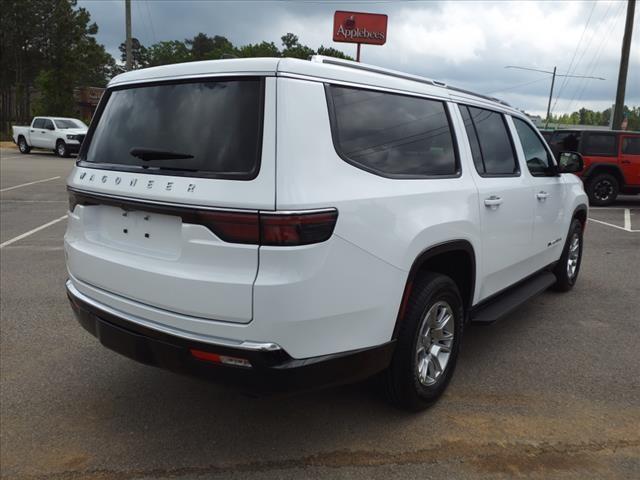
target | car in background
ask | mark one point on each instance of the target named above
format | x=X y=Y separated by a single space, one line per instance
x=62 y=135
x=611 y=161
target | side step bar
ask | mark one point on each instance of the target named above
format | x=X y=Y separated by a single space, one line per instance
x=505 y=303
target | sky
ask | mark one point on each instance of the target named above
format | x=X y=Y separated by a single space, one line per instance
x=463 y=43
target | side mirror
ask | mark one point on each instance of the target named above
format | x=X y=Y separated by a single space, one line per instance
x=570 y=162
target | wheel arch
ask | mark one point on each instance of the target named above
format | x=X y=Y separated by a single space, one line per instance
x=454 y=258
x=580 y=212
x=597 y=168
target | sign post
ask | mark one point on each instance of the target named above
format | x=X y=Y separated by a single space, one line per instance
x=359 y=28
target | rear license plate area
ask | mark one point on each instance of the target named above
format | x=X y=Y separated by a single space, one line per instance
x=138 y=231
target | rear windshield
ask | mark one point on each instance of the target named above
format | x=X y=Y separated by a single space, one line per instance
x=204 y=129
x=63 y=123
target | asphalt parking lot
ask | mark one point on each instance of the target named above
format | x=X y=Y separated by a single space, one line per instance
x=550 y=392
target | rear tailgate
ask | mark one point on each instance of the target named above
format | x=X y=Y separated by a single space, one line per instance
x=159 y=161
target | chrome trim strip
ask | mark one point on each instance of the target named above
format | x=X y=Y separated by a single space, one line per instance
x=196 y=206
x=222 y=342
x=156 y=202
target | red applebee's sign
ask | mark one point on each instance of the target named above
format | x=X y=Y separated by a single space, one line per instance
x=354 y=27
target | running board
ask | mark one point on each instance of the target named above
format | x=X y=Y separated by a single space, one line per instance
x=507 y=302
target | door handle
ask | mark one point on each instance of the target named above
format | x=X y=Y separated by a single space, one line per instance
x=32 y=131
x=493 y=201
x=541 y=195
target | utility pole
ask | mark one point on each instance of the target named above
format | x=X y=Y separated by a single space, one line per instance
x=127 y=15
x=553 y=80
x=618 y=111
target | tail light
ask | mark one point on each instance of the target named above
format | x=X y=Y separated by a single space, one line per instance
x=274 y=229
x=297 y=228
x=282 y=229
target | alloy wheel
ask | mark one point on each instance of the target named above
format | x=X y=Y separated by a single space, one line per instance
x=603 y=190
x=574 y=256
x=434 y=344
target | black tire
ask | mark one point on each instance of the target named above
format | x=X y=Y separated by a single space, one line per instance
x=403 y=383
x=603 y=189
x=565 y=279
x=23 y=146
x=61 y=149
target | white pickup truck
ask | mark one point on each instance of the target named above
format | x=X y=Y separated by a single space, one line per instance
x=62 y=135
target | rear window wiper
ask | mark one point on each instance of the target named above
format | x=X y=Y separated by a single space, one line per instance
x=147 y=154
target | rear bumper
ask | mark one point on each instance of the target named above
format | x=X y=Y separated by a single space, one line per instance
x=272 y=369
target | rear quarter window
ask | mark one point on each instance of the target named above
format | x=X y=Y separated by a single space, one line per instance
x=392 y=135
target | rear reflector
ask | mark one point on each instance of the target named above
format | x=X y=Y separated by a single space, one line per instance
x=287 y=229
x=220 y=359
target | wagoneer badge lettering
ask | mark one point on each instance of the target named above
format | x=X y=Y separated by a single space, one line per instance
x=150 y=185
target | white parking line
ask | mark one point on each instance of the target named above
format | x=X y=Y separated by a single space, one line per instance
x=627 y=219
x=31 y=232
x=29 y=183
x=624 y=229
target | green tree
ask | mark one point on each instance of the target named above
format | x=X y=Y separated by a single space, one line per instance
x=200 y=46
x=332 y=52
x=264 y=49
x=293 y=48
x=49 y=45
x=164 y=53
x=139 y=54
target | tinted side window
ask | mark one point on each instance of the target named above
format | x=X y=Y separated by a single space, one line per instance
x=48 y=124
x=631 y=145
x=538 y=158
x=392 y=135
x=38 y=123
x=603 y=144
x=473 y=139
x=494 y=143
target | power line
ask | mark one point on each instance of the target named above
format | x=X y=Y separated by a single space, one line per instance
x=516 y=86
x=553 y=79
x=565 y=81
x=552 y=72
x=153 y=30
x=593 y=64
x=587 y=46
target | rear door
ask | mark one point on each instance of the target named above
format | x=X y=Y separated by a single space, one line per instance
x=168 y=186
x=630 y=159
x=37 y=133
x=506 y=209
x=547 y=194
x=49 y=134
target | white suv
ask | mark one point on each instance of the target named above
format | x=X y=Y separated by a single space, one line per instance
x=291 y=224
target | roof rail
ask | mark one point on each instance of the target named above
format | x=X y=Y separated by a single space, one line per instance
x=480 y=95
x=397 y=74
x=374 y=69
